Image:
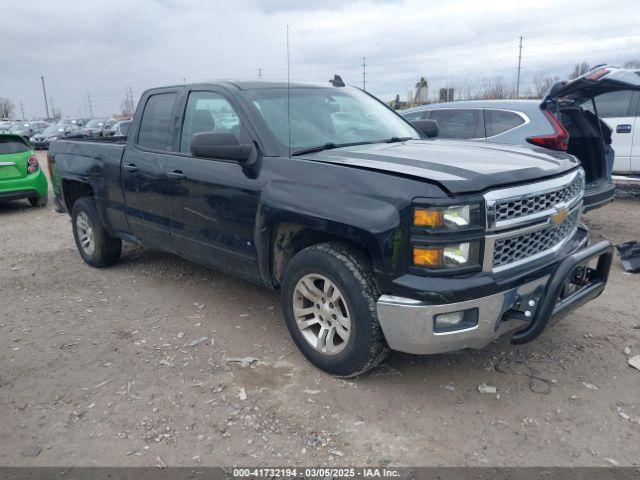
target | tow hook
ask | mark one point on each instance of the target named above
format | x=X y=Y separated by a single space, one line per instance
x=525 y=306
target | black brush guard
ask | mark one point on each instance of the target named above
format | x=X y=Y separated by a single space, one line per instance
x=587 y=283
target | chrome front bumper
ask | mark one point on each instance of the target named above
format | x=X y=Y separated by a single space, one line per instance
x=409 y=325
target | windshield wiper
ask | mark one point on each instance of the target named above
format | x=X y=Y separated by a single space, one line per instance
x=332 y=145
x=319 y=148
x=328 y=146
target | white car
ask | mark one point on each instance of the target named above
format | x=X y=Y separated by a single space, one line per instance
x=621 y=111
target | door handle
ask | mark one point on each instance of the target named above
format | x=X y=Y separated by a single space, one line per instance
x=131 y=168
x=176 y=175
x=624 y=128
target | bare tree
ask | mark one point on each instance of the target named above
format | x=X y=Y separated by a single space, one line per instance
x=495 y=88
x=7 y=107
x=632 y=64
x=579 y=69
x=542 y=83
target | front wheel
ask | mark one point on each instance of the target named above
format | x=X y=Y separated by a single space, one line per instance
x=329 y=302
x=97 y=248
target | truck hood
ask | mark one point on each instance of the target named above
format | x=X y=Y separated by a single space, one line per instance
x=458 y=166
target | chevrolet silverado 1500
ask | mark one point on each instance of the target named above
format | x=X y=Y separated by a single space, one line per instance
x=377 y=236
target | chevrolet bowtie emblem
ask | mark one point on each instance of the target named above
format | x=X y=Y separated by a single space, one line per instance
x=560 y=216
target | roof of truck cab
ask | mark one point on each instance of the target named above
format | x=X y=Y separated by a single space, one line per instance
x=248 y=85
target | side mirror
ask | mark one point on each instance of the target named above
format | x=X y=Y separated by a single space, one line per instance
x=429 y=128
x=222 y=146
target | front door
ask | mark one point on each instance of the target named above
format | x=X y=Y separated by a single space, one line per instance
x=143 y=170
x=213 y=203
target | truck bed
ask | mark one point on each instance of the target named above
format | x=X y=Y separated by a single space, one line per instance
x=94 y=162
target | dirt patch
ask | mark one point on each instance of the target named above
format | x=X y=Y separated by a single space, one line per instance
x=96 y=369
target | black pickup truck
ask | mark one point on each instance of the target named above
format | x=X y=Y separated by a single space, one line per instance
x=377 y=236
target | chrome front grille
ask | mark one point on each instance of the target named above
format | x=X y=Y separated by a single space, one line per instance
x=514 y=249
x=522 y=207
x=531 y=221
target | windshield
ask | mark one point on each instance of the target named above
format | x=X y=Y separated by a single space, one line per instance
x=94 y=123
x=19 y=128
x=53 y=129
x=320 y=116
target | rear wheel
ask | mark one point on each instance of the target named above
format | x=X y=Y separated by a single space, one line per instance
x=97 y=248
x=329 y=301
x=38 y=201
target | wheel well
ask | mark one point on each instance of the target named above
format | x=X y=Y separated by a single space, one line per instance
x=290 y=238
x=74 y=190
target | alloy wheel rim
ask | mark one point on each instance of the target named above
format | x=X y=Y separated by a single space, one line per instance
x=85 y=233
x=321 y=314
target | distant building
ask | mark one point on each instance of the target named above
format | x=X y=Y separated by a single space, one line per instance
x=422 y=92
x=446 y=95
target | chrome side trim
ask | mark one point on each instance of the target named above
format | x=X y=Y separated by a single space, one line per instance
x=7 y=164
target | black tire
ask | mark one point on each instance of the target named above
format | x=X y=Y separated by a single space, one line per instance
x=351 y=271
x=106 y=249
x=38 y=201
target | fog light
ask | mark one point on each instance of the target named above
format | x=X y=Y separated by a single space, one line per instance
x=448 y=322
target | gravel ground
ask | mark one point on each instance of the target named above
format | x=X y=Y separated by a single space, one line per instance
x=130 y=366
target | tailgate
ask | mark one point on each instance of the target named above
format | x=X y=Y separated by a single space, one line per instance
x=13 y=166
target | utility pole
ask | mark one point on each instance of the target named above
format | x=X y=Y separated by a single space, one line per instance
x=519 y=66
x=44 y=91
x=22 y=110
x=131 y=100
x=364 y=73
x=89 y=103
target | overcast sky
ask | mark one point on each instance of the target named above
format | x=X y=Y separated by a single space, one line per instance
x=102 y=47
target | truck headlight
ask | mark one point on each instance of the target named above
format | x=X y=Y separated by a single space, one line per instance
x=457 y=255
x=450 y=217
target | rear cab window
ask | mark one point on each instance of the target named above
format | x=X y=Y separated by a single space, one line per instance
x=10 y=145
x=500 y=121
x=156 y=125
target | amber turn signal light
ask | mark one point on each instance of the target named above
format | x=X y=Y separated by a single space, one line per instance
x=427 y=218
x=427 y=257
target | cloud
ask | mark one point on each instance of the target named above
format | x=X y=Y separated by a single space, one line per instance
x=103 y=47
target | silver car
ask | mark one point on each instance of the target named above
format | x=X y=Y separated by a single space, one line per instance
x=566 y=119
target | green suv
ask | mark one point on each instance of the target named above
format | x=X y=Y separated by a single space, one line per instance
x=20 y=172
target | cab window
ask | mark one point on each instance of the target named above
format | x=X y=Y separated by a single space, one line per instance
x=156 y=130
x=209 y=112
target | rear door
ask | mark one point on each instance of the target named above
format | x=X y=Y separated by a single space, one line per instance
x=143 y=169
x=618 y=111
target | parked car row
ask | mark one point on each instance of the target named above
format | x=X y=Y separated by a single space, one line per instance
x=40 y=133
x=570 y=127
